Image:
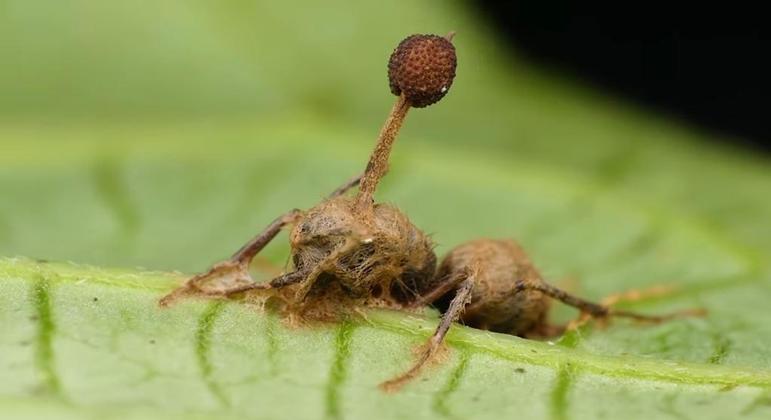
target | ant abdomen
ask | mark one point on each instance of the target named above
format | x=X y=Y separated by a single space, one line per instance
x=378 y=250
x=497 y=304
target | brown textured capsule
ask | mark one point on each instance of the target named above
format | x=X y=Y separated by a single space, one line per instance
x=422 y=67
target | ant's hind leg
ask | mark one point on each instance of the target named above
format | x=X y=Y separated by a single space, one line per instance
x=595 y=310
x=458 y=304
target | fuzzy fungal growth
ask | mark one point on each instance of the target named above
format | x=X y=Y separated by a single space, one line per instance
x=380 y=254
x=422 y=68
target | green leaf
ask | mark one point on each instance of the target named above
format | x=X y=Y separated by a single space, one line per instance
x=93 y=342
x=164 y=138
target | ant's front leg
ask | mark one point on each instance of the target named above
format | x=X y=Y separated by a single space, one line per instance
x=232 y=275
x=463 y=292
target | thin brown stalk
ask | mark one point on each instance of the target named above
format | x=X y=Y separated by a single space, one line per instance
x=378 y=161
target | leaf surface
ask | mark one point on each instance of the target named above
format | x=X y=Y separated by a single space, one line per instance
x=116 y=158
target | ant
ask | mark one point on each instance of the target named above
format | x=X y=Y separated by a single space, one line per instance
x=349 y=252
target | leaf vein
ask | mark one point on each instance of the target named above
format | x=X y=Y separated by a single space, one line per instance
x=443 y=395
x=203 y=350
x=44 y=353
x=559 y=394
x=339 y=370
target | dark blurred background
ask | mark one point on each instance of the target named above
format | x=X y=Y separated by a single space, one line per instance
x=707 y=64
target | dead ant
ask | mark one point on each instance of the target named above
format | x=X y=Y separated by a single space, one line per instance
x=349 y=252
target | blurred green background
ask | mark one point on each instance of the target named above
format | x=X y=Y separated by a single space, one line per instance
x=100 y=87
x=162 y=134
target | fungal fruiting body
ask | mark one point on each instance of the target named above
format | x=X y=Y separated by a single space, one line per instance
x=420 y=72
x=422 y=68
x=348 y=251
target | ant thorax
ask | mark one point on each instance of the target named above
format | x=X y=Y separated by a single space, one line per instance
x=373 y=254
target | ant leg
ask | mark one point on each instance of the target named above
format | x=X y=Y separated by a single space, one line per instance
x=232 y=275
x=628 y=296
x=596 y=310
x=637 y=295
x=277 y=283
x=458 y=304
x=247 y=252
x=451 y=283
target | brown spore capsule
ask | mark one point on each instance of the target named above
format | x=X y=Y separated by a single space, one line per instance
x=422 y=68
